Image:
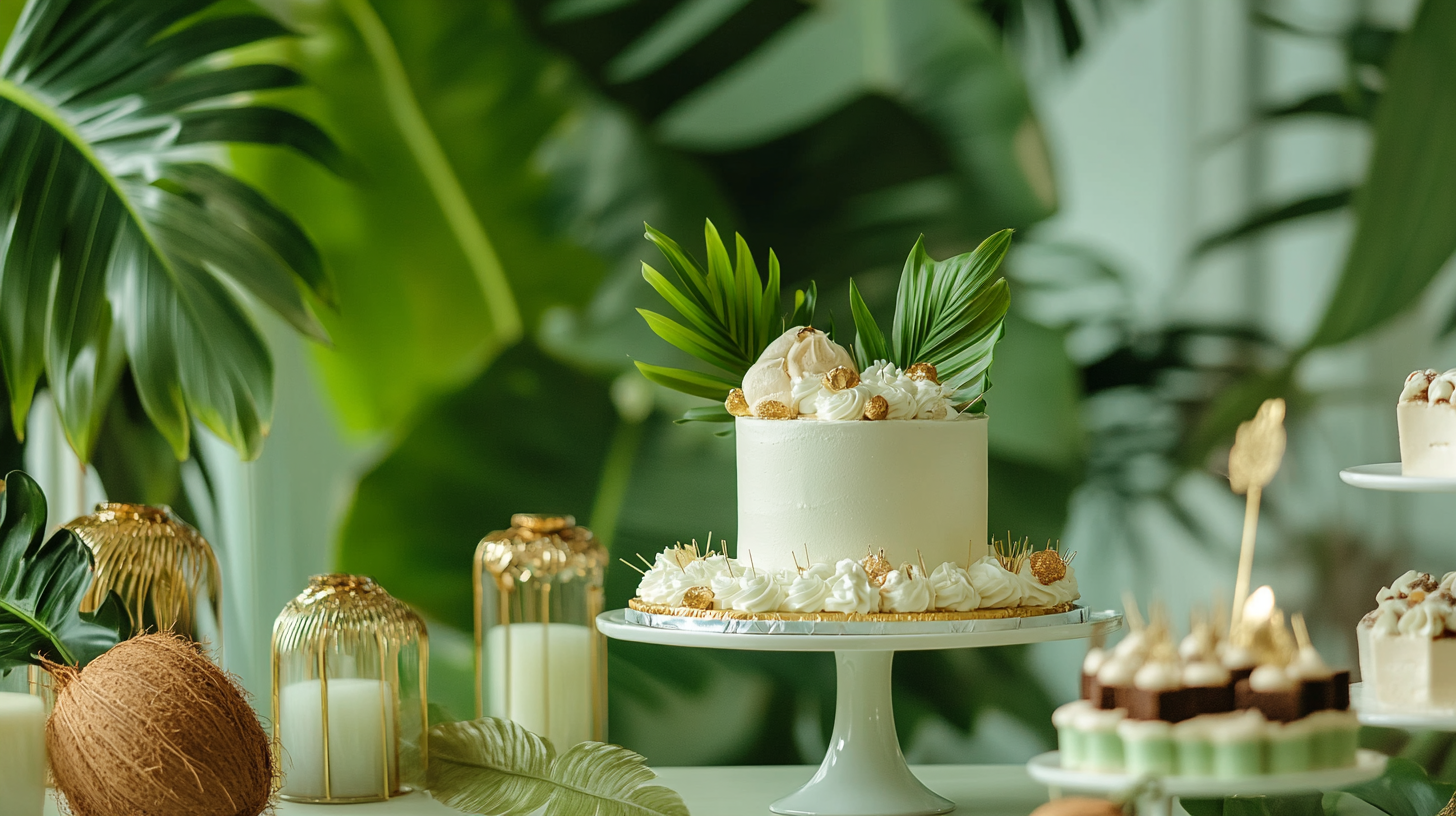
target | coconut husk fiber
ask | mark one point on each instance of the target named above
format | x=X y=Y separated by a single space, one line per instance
x=153 y=728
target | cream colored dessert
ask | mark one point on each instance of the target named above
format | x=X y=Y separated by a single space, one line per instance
x=1427 y=423
x=836 y=463
x=1408 y=644
x=683 y=581
x=916 y=489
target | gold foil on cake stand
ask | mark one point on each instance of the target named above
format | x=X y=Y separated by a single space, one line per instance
x=835 y=624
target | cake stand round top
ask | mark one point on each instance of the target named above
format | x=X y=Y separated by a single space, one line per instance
x=1047 y=769
x=1387 y=476
x=948 y=635
x=1372 y=712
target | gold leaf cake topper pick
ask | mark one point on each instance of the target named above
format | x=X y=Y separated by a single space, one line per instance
x=1258 y=449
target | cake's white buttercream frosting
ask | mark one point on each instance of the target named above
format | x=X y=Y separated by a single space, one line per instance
x=952 y=589
x=725 y=590
x=807 y=593
x=886 y=380
x=1034 y=592
x=1416 y=385
x=847 y=488
x=851 y=591
x=1270 y=678
x=998 y=588
x=905 y=591
x=1205 y=674
x=759 y=592
x=842 y=406
x=1427 y=619
x=1160 y=675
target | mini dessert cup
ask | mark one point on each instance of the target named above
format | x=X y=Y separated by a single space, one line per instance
x=1071 y=741
x=1334 y=738
x=1101 y=746
x=1147 y=747
x=1239 y=745
x=1290 y=747
x=1194 y=750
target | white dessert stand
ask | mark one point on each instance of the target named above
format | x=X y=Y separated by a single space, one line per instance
x=863 y=773
x=1372 y=712
x=1387 y=476
x=1156 y=794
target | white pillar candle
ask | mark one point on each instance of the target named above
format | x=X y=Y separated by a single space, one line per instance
x=22 y=755
x=361 y=737
x=547 y=689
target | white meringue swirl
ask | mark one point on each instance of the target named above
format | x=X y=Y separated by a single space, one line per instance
x=998 y=588
x=759 y=592
x=852 y=591
x=952 y=589
x=839 y=406
x=904 y=591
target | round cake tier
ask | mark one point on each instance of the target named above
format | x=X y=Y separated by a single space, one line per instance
x=914 y=488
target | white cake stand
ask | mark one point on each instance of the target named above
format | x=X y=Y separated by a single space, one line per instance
x=1156 y=794
x=1372 y=712
x=1387 y=476
x=863 y=773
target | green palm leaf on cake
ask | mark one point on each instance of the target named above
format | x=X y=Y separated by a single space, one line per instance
x=948 y=313
x=124 y=241
x=493 y=766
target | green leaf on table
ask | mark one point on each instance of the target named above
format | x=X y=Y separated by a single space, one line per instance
x=120 y=241
x=42 y=583
x=497 y=768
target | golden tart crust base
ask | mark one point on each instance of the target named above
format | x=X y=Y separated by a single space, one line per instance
x=733 y=614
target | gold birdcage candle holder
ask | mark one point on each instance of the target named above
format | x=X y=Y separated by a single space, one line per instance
x=539 y=659
x=350 y=709
x=161 y=567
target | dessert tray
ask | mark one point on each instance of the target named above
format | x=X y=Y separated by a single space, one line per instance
x=863 y=771
x=1372 y=712
x=1387 y=476
x=1156 y=794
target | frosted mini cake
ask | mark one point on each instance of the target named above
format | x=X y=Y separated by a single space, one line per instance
x=1427 y=423
x=1408 y=644
x=1258 y=702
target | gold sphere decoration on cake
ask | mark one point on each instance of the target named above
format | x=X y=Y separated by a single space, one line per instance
x=737 y=404
x=923 y=371
x=773 y=409
x=876 y=567
x=698 y=598
x=841 y=378
x=1048 y=567
x=877 y=408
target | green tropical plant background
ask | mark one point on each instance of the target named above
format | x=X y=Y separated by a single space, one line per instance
x=469 y=184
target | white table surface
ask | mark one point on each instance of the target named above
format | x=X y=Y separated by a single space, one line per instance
x=985 y=790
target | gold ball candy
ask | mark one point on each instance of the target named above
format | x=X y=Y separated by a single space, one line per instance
x=773 y=409
x=877 y=567
x=877 y=408
x=923 y=371
x=698 y=598
x=1048 y=566
x=841 y=378
x=737 y=404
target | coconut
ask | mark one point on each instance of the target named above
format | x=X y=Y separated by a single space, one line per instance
x=153 y=728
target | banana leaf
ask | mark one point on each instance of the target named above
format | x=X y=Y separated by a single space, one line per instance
x=42 y=582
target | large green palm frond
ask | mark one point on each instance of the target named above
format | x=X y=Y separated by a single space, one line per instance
x=120 y=240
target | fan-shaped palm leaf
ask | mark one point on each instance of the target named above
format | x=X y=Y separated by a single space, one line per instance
x=118 y=241
x=493 y=766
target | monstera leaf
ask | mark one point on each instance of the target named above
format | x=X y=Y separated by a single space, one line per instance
x=495 y=767
x=121 y=242
x=42 y=581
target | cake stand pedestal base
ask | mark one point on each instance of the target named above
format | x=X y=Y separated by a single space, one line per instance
x=863 y=773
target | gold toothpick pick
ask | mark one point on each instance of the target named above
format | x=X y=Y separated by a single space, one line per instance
x=632 y=565
x=1254 y=459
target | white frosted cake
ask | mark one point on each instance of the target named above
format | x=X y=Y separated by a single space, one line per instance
x=1427 y=423
x=1408 y=644
x=827 y=491
x=861 y=474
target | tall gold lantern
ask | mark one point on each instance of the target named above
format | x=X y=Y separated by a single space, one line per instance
x=350 y=707
x=539 y=659
x=163 y=569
